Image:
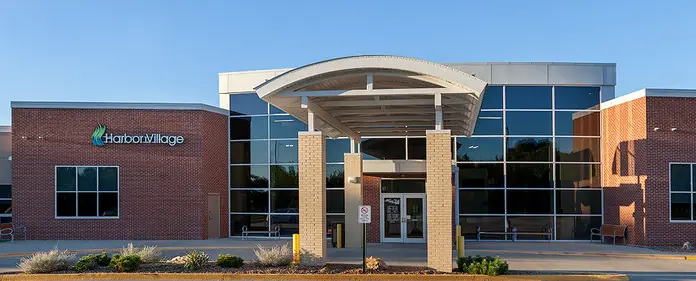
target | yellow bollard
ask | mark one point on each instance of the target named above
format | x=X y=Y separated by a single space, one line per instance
x=339 y=235
x=460 y=246
x=458 y=233
x=296 y=248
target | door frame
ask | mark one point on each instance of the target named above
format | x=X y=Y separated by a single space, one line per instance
x=403 y=197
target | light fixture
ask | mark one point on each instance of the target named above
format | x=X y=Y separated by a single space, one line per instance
x=656 y=129
x=24 y=137
x=673 y=129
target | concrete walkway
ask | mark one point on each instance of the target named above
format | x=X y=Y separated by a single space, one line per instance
x=639 y=263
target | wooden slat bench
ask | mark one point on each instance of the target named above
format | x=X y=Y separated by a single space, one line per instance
x=514 y=233
x=609 y=230
x=275 y=232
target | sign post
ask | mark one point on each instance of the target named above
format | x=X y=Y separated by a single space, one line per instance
x=364 y=217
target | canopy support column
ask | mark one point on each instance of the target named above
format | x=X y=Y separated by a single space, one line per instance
x=312 y=193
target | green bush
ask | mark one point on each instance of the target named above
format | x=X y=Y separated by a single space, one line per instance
x=225 y=260
x=480 y=265
x=195 y=260
x=91 y=261
x=127 y=263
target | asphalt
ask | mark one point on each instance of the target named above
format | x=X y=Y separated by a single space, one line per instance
x=545 y=257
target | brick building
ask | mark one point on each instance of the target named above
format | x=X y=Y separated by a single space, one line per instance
x=538 y=147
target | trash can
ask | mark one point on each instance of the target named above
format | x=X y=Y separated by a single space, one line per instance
x=334 y=235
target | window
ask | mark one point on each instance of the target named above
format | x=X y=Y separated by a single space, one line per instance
x=681 y=189
x=5 y=202
x=247 y=104
x=87 y=192
x=529 y=123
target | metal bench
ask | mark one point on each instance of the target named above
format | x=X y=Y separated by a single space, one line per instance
x=274 y=233
x=548 y=233
x=609 y=230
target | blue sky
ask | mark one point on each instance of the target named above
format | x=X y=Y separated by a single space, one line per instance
x=171 y=51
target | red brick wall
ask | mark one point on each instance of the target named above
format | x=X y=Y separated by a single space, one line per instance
x=623 y=170
x=162 y=188
x=665 y=146
x=635 y=173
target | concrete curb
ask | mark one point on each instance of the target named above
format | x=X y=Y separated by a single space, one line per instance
x=301 y=277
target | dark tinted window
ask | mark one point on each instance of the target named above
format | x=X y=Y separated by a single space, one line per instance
x=284 y=176
x=284 y=151
x=528 y=97
x=249 y=176
x=481 y=175
x=481 y=202
x=681 y=206
x=582 y=202
x=577 y=175
x=479 y=149
x=335 y=201
x=576 y=228
x=403 y=186
x=249 y=152
x=5 y=207
x=489 y=123
x=531 y=224
x=529 y=175
x=493 y=98
x=530 y=202
x=87 y=204
x=335 y=149
x=247 y=104
x=416 y=148
x=577 y=149
x=529 y=149
x=108 y=178
x=108 y=204
x=285 y=201
x=680 y=177
x=244 y=128
x=5 y=191
x=66 y=179
x=275 y=110
x=334 y=176
x=286 y=126
x=289 y=224
x=489 y=224
x=253 y=201
x=87 y=179
x=386 y=149
x=577 y=97
x=529 y=123
x=66 y=204
x=572 y=123
x=253 y=222
x=331 y=221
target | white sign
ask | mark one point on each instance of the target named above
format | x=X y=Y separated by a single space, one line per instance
x=364 y=214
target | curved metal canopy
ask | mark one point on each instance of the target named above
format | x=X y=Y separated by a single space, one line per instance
x=378 y=96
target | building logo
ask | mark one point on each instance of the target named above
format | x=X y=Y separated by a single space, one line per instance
x=100 y=138
x=98 y=134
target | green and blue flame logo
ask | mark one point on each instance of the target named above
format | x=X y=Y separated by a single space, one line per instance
x=97 y=135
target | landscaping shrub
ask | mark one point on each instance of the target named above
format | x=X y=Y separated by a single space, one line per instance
x=44 y=262
x=480 y=265
x=127 y=263
x=274 y=256
x=147 y=254
x=225 y=260
x=195 y=260
x=373 y=263
x=91 y=261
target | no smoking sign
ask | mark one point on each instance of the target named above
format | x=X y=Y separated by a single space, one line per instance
x=364 y=214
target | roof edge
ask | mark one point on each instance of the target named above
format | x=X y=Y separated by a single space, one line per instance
x=119 y=105
x=650 y=92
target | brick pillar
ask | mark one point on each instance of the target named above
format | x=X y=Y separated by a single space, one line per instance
x=352 y=167
x=438 y=191
x=312 y=171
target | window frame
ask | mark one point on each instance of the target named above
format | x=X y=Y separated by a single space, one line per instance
x=7 y=199
x=692 y=192
x=77 y=191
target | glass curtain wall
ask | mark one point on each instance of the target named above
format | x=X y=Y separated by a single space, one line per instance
x=532 y=163
x=264 y=168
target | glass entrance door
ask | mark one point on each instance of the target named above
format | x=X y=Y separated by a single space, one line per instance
x=403 y=218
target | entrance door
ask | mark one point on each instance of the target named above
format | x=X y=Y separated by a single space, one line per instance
x=403 y=218
x=213 y=215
